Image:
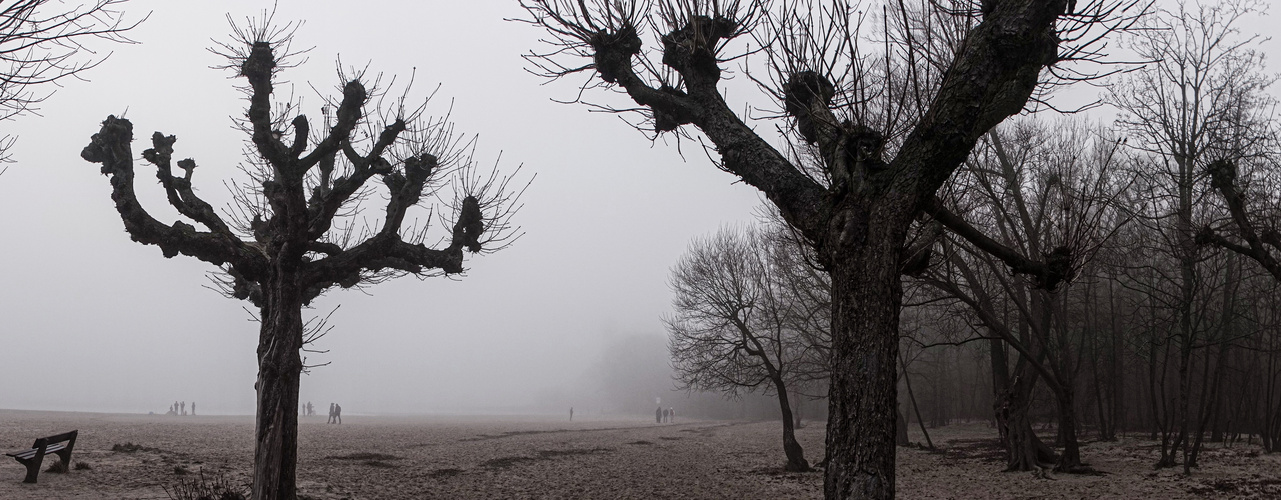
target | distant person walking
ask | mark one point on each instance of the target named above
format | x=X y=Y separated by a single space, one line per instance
x=658 y=415
x=337 y=414
x=193 y=408
x=184 y=408
x=331 y=414
x=671 y=415
x=571 y=414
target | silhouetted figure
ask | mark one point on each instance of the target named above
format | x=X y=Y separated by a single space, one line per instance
x=331 y=414
x=671 y=415
x=337 y=414
x=184 y=408
x=571 y=414
x=193 y=408
x=658 y=415
x=311 y=410
x=171 y=411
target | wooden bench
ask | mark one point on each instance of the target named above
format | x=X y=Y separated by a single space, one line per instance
x=60 y=445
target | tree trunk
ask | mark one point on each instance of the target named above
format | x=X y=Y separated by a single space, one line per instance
x=900 y=431
x=279 y=369
x=867 y=295
x=795 y=455
x=1070 y=459
x=1024 y=450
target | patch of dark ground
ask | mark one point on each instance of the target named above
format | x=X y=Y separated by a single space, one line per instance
x=486 y=437
x=131 y=448
x=778 y=474
x=508 y=462
x=1253 y=486
x=981 y=449
x=364 y=455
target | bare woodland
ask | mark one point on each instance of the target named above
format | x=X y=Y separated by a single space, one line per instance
x=1145 y=305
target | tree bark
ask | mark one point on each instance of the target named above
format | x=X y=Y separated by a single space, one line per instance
x=279 y=369
x=866 y=299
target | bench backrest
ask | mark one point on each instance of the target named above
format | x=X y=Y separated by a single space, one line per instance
x=43 y=442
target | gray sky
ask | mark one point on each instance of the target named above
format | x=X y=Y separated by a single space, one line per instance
x=134 y=331
x=606 y=217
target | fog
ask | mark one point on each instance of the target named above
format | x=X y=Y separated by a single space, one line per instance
x=95 y=322
x=568 y=315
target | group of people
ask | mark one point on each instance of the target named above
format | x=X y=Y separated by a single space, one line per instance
x=335 y=412
x=180 y=408
x=664 y=416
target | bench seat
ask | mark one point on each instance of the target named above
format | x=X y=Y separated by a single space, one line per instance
x=60 y=445
x=27 y=454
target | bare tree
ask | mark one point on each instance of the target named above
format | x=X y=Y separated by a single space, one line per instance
x=41 y=43
x=291 y=235
x=890 y=121
x=733 y=327
x=1200 y=99
x=1042 y=188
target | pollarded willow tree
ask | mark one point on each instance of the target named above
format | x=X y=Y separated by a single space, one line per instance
x=292 y=235
x=889 y=116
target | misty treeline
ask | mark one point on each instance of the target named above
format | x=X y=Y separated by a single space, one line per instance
x=634 y=369
x=1163 y=224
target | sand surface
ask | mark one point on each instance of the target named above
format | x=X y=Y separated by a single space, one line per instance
x=374 y=457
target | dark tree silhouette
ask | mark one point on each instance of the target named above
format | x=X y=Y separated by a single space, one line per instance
x=41 y=42
x=887 y=130
x=290 y=243
x=1041 y=187
x=735 y=327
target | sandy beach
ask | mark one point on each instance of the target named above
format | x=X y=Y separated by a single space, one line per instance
x=386 y=457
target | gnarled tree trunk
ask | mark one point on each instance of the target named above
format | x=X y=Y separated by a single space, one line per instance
x=279 y=369
x=1024 y=450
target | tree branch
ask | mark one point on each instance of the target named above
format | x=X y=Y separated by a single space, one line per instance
x=111 y=147
x=1047 y=274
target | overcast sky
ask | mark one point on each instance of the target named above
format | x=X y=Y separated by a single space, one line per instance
x=133 y=331
x=95 y=322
